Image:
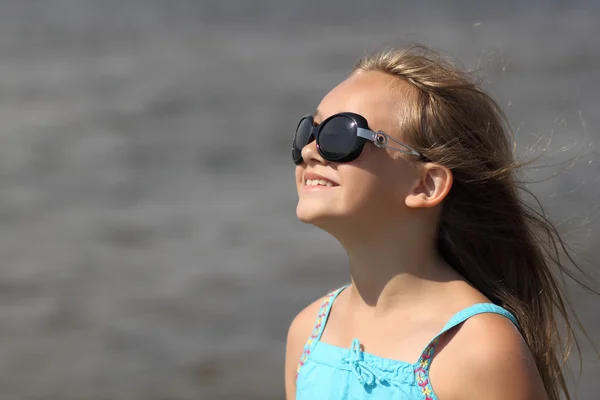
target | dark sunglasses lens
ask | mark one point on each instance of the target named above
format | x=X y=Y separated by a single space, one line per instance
x=337 y=138
x=301 y=138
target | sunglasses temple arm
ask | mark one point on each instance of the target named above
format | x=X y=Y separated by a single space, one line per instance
x=370 y=135
x=407 y=149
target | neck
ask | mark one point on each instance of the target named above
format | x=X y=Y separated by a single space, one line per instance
x=392 y=268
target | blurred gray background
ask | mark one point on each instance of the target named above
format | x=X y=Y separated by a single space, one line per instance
x=148 y=242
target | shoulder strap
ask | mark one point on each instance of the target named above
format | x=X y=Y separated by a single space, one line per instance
x=476 y=309
x=322 y=316
x=324 y=311
x=458 y=319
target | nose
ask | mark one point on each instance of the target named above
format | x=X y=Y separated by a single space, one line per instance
x=311 y=153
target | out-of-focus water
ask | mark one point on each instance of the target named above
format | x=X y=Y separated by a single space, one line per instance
x=148 y=241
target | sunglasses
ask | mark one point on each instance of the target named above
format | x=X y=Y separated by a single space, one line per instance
x=341 y=138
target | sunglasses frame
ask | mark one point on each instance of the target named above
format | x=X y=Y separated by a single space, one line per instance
x=379 y=139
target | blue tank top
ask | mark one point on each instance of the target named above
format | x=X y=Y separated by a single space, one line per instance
x=328 y=372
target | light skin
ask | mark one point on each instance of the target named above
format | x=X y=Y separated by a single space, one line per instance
x=383 y=209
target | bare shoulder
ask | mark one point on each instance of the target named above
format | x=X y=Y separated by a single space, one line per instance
x=298 y=333
x=486 y=354
x=303 y=323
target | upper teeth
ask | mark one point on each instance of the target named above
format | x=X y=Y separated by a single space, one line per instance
x=316 y=182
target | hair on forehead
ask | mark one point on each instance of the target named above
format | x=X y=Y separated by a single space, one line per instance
x=405 y=97
x=405 y=103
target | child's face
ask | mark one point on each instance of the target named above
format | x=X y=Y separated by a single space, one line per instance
x=371 y=189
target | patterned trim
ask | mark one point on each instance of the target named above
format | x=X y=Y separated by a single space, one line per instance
x=323 y=311
x=422 y=370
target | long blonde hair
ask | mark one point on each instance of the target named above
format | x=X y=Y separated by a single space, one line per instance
x=504 y=246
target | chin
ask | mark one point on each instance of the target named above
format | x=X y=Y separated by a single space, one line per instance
x=319 y=215
x=311 y=214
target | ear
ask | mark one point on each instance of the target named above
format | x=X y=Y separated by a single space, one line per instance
x=431 y=187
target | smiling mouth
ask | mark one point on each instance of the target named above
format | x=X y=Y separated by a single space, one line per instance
x=319 y=182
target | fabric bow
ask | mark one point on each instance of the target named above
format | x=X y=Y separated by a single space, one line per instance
x=365 y=374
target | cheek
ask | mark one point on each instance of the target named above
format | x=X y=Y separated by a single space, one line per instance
x=378 y=189
x=298 y=174
x=363 y=189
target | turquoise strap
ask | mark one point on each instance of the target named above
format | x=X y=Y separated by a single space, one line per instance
x=324 y=312
x=476 y=309
x=422 y=366
x=319 y=326
x=457 y=319
x=461 y=317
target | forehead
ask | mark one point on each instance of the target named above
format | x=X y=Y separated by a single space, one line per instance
x=373 y=94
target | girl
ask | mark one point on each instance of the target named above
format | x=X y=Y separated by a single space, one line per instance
x=410 y=166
